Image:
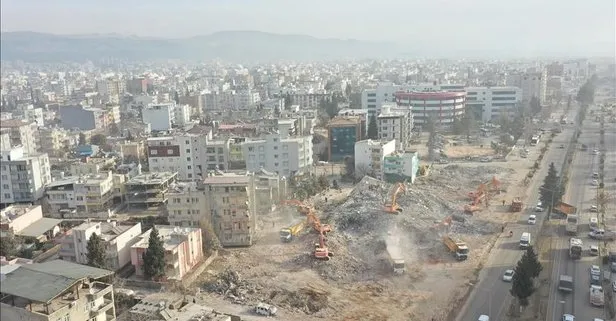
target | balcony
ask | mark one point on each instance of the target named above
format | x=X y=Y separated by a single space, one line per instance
x=97 y=290
x=101 y=309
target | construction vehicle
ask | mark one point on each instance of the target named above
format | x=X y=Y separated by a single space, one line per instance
x=516 y=205
x=572 y=224
x=321 y=251
x=394 y=254
x=288 y=233
x=393 y=207
x=458 y=248
x=564 y=208
x=596 y=296
x=301 y=207
x=575 y=248
x=565 y=283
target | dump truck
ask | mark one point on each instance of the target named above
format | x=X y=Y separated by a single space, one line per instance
x=516 y=205
x=596 y=296
x=458 y=248
x=575 y=248
x=288 y=233
x=572 y=224
x=564 y=208
x=394 y=254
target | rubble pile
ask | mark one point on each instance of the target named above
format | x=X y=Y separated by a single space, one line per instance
x=230 y=284
x=361 y=223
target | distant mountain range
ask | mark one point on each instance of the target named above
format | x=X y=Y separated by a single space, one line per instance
x=234 y=46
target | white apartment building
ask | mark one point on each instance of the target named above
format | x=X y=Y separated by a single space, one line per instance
x=36 y=115
x=21 y=133
x=533 y=84
x=117 y=239
x=190 y=155
x=279 y=153
x=57 y=139
x=22 y=177
x=369 y=156
x=181 y=115
x=85 y=193
x=160 y=116
x=395 y=123
x=491 y=103
x=111 y=89
x=372 y=99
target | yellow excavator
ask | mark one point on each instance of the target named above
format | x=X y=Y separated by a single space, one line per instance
x=393 y=207
x=288 y=233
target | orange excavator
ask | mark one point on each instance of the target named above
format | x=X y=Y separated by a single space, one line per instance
x=301 y=207
x=392 y=207
x=321 y=251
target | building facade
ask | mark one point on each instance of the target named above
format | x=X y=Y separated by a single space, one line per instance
x=440 y=107
x=23 y=178
x=343 y=133
x=183 y=250
x=279 y=153
x=491 y=103
x=89 y=193
x=401 y=167
x=117 y=240
x=395 y=123
x=21 y=133
x=369 y=157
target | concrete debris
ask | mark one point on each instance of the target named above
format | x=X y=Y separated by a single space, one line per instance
x=360 y=223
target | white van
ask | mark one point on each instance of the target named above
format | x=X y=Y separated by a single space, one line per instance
x=265 y=309
x=593 y=223
x=483 y=317
x=525 y=240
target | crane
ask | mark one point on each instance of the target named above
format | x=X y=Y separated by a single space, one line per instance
x=393 y=207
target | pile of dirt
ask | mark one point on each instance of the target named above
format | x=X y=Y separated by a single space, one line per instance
x=361 y=224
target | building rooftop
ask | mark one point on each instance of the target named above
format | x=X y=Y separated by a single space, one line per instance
x=14 y=211
x=108 y=230
x=344 y=121
x=42 y=282
x=226 y=179
x=39 y=227
x=151 y=178
x=172 y=236
x=13 y=123
x=182 y=187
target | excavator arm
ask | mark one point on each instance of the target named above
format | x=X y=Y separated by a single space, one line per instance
x=393 y=207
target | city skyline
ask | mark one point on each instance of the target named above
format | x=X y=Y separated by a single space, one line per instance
x=547 y=27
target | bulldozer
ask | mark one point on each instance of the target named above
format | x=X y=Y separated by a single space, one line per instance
x=392 y=207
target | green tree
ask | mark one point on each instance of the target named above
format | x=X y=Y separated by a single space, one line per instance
x=98 y=140
x=129 y=136
x=96 y=251
x=349 y=166
x=522 y=286
x=551 y=189
x=154 y=257
x=8 y=246
x=277 y=111
x=288 y=101
x=586 y=93
x=176 y=97
x=82 y=139
x=373 y=131
x=323 y=182
x=348 y=90
x=531 y=262
x=114 y=129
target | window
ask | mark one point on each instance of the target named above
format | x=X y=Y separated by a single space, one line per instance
x=275 y=147
x=251 y=149
x=5 y=186
x=187 y=150
x=187 y=142
x=189 y=167
x=372 y=100
x=169 y=151
x=188 y=159
x=7 y=195
x=153 y=152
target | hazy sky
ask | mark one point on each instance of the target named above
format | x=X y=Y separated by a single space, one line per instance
x=485 y=25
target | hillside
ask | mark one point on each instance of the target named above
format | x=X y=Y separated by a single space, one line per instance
x=236 y=46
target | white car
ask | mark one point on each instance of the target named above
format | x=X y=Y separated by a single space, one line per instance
x=595 y=151
x=594 y=250
x=595 y=182
x=483 y=317
x=532 y=219
x=594 y=209
x=568 y=317
x=538 y=208
x=595 y=270
x=508 y=276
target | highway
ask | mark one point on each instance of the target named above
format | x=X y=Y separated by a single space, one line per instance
x=491 y=295
x=582 y=194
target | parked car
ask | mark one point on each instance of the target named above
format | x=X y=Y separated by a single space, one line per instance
x=594 y=182
x=568 y=317
x=594 y=209
x=265 y=309
x=600 y=234
x=595 y=270
x=594 y=250
x=532 y=219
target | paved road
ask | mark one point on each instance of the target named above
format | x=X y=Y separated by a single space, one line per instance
x=581 y=193
x=491 y=295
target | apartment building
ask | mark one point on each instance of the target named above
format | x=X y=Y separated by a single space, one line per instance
x=491 y=103
x=401 y=166
x=88 y=118
x=89 y=193
x=91 y=166
x=35 y=115
x=441 y=107
x=189 y=203
x=309 y=101
x=183 y=250
x=232 y=208
x=23 y=177
x=370 y=155
x=56 y=139
x=161 y=117
x=343 y=133
x=279 y=153
x=57 y=290
x=21 y=133
x=237 y=160
x=111 y=89
x=27 y=221
x=190 y=155
x=532 y=84
x=395 y=123
x=148 y=190
x=117 y=239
